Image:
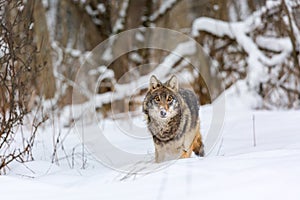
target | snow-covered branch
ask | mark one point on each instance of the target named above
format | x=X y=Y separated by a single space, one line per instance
x=162 y=71
x=117 y=28
x=163 y=9
x=239 y=31
x=269 y=54
x=62 y=81
x=273 y=43
x=119 y=24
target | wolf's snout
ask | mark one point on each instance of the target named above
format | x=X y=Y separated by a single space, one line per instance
x=163 y=113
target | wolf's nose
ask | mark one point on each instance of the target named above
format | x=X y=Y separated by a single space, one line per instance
x=163 y=113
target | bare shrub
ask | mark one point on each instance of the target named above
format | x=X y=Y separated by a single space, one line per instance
x=17 y=73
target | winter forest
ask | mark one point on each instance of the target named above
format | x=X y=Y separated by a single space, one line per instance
x=74 y=74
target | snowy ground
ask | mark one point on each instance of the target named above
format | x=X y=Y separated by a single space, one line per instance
x=237 y=169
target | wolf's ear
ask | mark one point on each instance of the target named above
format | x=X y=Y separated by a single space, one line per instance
x=154 y=83
x=173 y=83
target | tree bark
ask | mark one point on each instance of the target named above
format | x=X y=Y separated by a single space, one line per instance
x=44 y=82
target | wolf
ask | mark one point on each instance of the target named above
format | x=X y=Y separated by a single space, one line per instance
x=172 y=116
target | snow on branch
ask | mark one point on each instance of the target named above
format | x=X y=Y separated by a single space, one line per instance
x=216 y=27
x=62 y=81
x=162 y=70
x=163 y=9
x=270 y=53
x=239 y=31
x=119 y=25
x=117 y=28
x=273 y=43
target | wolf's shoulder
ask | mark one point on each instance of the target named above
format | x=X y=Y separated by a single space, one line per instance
x=188 y=96
x=190 y=99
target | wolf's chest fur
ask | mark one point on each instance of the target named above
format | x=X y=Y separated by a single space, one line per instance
x=172 y=139
x=164 y=130
x=172 y=119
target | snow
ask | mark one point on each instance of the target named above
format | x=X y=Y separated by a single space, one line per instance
x=45 y=3
x=51 y=14
x=244 y=10
x=101 y=7
x=164 y=7
x=90 y=11
x=139 y=37
x=4 y=49
x=236 y=170
x=251 y=155
x=20 y=7
x=274 y=44
x=122 y=12
x=136 y=57
x=100 y=70
x=108 y=54
x=218 y=27
x=31 y=26
x=119 y=24
x=73 y=52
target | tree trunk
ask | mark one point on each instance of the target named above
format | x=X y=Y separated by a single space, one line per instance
x=44 y=82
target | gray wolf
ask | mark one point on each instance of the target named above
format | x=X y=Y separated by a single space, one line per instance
x=172 y=116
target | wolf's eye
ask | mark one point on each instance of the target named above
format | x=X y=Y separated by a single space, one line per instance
x=170 y=99
x=157 y=99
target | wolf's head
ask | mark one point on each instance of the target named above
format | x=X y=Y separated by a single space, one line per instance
x=161 y=102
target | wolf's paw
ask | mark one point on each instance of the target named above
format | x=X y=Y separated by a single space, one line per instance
x=199 y=148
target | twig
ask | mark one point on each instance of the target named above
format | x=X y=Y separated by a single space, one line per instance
x=253 y=130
